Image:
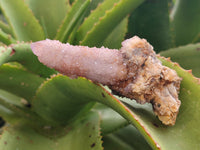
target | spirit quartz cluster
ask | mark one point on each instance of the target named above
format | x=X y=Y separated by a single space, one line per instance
x=133 y=71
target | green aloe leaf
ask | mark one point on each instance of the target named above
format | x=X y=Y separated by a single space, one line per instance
x=115 y=38
x=6 y=113
x=72 y=18
x=15 y=79
x=111 y=142
x=50 y=14
x=5 y=27
x=83 y=134
x=93 y=5
x=24 y=25
x=94 y=16
x=23 y=54
x=187 y=56
x=60 y=99
x=72 y=36
x=186 y=22
x=103 y=18
x=127 y=138
x=4 y=54
x=107 y=114
x=151 y=21
x=14 y=109
x=6 y=38
x=11 y=98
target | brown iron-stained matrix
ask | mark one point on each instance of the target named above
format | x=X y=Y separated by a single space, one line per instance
x=133 y=71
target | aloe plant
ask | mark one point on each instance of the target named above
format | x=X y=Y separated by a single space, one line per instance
x=43 y=109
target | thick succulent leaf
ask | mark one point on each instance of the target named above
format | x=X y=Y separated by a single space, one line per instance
x=93 y=18
x=93 y=5
x=72 y=18
x=106 y=115
x=50 y=14
x=72 y=37
x=15 y=79
x=103 y=18
x=115 y=38
x=23 y=54
x=126 y=138
x=82 y=135
x=13 y=109
x=111 y=142
x=151 y=21
x=187 y=56
x=6 y=28
x=22 y=21
x=11 y=98
x=6 y=113
x=186 y=22
x=6 y=38
x=4 y=54
x=60 y=99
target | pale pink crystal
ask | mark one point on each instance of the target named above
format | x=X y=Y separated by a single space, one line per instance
x=97 y=64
